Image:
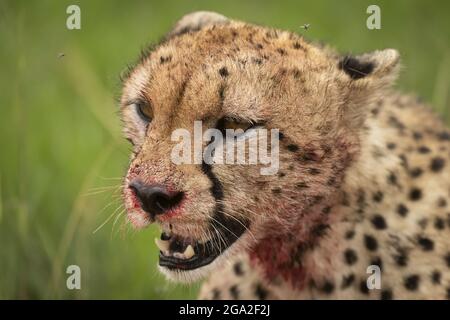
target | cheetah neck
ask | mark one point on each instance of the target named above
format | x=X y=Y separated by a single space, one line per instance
x=303 y=256
x=290 y=256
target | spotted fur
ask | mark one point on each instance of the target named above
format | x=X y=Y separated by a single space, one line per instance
x=364 y=173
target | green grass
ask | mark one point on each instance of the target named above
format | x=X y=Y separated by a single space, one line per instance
x=62 y=154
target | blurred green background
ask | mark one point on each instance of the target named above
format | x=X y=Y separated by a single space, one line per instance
x=62 y=154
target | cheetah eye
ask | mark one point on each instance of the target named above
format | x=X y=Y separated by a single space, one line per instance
x=144 y=110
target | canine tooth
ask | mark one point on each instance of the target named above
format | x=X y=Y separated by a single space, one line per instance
x=179 y=255
x=163 y=245
x=189 y=252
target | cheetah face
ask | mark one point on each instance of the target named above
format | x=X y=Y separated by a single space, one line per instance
x=231 y=75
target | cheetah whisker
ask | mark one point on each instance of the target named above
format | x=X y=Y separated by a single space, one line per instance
x=109 y=218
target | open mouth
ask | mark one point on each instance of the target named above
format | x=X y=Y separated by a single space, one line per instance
x=183 y=253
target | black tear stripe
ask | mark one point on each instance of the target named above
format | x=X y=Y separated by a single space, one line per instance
x=216 y=188
x=230 y=229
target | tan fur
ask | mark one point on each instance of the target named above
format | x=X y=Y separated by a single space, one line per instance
x=344 y=129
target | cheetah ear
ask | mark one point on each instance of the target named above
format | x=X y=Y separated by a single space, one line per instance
x=367 y=77
x=380 y=64
x=195 y=21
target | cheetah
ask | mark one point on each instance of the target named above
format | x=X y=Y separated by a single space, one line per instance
x=363 y=181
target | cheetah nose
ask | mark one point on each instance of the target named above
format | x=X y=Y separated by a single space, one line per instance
x=155 y=199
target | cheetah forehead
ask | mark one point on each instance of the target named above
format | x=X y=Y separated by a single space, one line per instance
x=245 y=45
x=208 y=62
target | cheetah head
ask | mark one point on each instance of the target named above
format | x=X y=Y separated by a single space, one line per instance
x=229 y=74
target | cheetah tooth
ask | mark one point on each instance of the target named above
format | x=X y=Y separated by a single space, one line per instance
x=163 y=245
x=179 y=255
x=189 y=252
